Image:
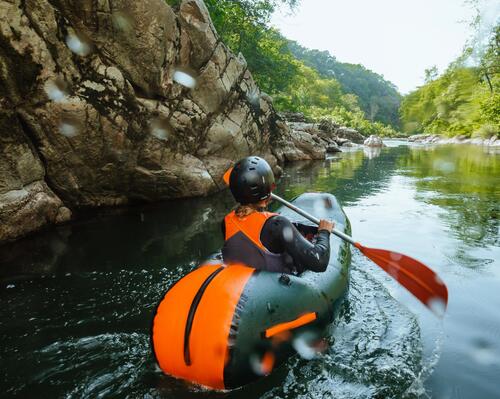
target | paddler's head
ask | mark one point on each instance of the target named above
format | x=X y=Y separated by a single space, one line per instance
x=251 y=182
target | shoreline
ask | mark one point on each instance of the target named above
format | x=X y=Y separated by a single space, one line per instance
x=494 y=141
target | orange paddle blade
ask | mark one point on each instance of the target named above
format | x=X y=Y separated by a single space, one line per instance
x=416 y=277
x=227 y=175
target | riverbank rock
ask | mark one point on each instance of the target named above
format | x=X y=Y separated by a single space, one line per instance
x=26 y=201
x=374 y=141
x=493 y=141
x=292 y=116
x=350 y=134
x=309 y=141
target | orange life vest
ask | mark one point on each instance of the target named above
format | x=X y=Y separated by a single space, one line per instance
x=242 y=242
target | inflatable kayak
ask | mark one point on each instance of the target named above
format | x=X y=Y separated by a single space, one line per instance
x=225 y=326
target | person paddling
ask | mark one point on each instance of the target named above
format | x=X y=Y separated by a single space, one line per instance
x=264 y=240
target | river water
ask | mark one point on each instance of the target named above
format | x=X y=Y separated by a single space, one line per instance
x=77 y=300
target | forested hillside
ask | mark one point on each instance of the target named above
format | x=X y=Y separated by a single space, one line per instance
x=351 y=95
x=378 y=98
x=464 y=100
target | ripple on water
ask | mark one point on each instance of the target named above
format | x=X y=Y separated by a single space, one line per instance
x=95 y=366
x=82 y=335
x=374 y=350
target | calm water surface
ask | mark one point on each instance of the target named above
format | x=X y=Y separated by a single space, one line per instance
x=77 y=300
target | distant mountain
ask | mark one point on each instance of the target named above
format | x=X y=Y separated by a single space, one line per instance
x=378 y=98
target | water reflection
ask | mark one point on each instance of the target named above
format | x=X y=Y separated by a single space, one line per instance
x=372 y=152
x=464 y=180
x=349 y=176
x=78 y=299
x=151 y=236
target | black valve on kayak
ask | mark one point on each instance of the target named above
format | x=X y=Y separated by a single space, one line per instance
x=285 y=280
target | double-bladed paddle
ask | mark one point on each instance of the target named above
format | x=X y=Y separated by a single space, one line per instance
x=412 y=274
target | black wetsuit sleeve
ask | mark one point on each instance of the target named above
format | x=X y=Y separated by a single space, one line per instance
x=280 y=235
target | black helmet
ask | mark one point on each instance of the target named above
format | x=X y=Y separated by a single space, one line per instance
x=251 y=180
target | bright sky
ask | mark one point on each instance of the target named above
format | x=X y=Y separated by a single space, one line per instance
x=395 y=38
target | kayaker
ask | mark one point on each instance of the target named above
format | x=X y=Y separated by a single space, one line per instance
x=267 y=240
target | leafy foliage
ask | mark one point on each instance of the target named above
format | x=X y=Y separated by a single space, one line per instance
x=463 y=101
x=377 y=98
x=243 y=25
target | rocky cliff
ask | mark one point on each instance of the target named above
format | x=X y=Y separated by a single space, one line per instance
x=108 y=102
x=91 y=114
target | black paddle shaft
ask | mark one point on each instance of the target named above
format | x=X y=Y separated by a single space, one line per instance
x=310 y=217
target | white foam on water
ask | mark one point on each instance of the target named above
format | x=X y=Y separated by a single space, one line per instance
x=253 y=97
x=160 y=133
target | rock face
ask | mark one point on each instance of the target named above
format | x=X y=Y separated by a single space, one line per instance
x=350 y=134
x=374 y=141
x=292 y=116
x=97 y=109
x=92 y=113
x=26 y=202
x=312 y=140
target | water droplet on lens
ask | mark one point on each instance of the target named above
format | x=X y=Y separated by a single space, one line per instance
x=78 y=44
x=253 y=97
x=483 y=353
x=319 y=207
x=393 y=271
x=395 y=256
x=303 y=344
x=262 y=364
x=122 y=21
x=184 y=78
x=444 y=166
x=160 y=129
x=437 y=306
x=288 y=234
x=68 y=129
x=56 y=90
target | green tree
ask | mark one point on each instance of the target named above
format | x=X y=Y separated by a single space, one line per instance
x=243 y=26
x=462 y=101
x=378 y=98
x=431 y=74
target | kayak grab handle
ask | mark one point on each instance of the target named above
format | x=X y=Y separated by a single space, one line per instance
x=290 y=325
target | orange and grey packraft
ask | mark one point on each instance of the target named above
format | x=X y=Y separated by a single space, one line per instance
x=225 y=326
